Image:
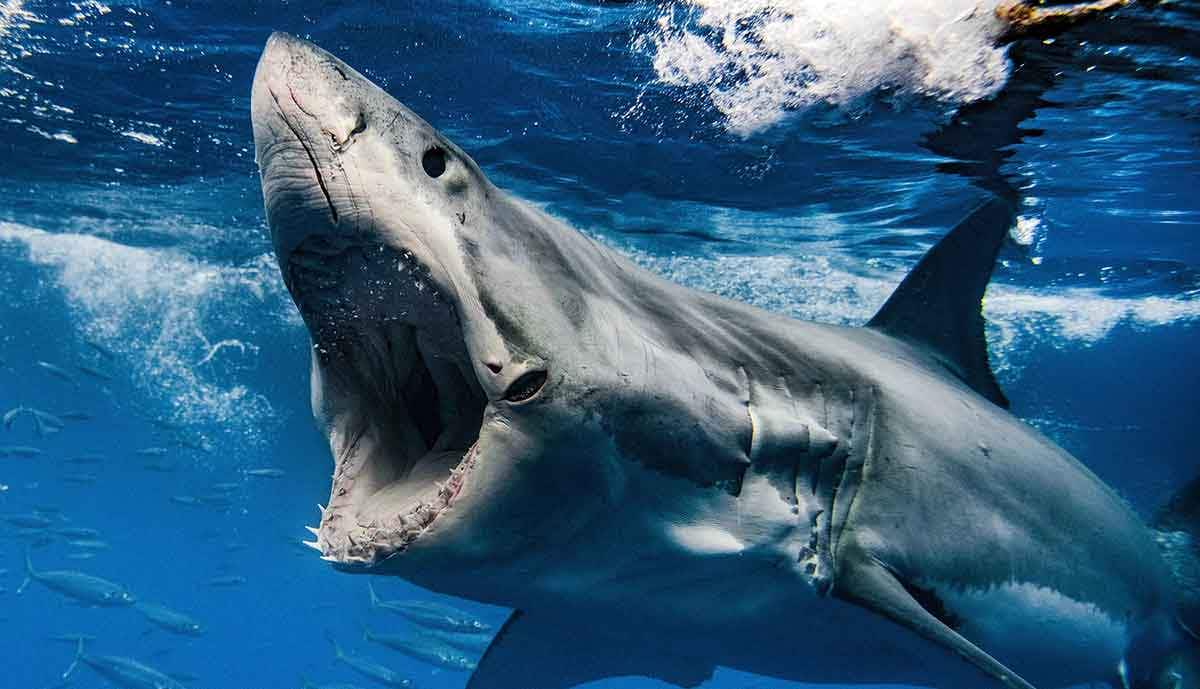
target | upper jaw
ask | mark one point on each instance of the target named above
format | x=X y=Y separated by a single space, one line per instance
x=398 y=400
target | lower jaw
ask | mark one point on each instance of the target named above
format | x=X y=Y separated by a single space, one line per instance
x=363 y=535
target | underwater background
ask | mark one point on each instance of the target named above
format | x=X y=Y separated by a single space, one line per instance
x=795 y=154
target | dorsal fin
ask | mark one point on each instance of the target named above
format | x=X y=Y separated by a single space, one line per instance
x=939 y=304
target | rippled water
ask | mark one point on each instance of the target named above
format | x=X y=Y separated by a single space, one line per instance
x=795 y=155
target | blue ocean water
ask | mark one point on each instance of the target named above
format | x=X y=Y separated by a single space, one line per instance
x=747 y=148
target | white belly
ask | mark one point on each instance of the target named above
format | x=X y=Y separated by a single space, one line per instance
x=1046 y=637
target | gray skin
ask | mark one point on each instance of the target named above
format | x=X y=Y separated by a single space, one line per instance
x=659 y=480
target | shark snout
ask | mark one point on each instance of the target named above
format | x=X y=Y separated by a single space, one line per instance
x=307 y=108
x=312 y=88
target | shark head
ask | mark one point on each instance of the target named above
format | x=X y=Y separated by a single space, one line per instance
x=468 y=365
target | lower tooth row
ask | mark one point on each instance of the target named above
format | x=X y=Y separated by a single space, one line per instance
x=408 y=527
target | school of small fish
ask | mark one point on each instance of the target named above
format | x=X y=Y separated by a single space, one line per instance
x=437 y=634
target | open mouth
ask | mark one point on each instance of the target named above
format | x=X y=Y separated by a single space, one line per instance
x=402 y=405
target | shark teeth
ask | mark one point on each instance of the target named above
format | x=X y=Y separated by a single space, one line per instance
x=367 y=544
x=314 y=531
x=314 y=545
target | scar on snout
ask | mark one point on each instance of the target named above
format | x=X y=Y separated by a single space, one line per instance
x=462 y=218
x=297 y=102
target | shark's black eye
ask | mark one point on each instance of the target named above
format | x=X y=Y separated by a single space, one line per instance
x=526 y=386
x=434 y=161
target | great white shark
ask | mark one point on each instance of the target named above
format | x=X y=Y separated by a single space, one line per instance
x=658 y=480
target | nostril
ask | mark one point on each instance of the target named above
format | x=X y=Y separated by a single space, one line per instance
x=493 y=366
x=434 y=161
x=340 y=145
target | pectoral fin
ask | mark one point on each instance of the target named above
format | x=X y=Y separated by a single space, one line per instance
x=864 y=581
x=545 y=653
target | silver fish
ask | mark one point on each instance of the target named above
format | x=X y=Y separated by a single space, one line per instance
x=89 y=544
x=77 y=532
x=171 y=620
x=80 y=586
x=57 y=372
x=28 y=521
x=123 y=672
x=474 y=644
x=94 y=372
x=371 y=669
x=428 y=614
x=424 y=649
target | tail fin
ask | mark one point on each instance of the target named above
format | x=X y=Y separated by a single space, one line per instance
x=30 y=574
x=1178 y=525
x=1186 y=671
x=66 y=675
x=338 y=653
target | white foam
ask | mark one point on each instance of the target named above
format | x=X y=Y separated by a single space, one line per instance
x=11 y=11
x=151 y=307
x=65 y=137
x=757 y=61
x=1026 y=230
x=142 y=137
